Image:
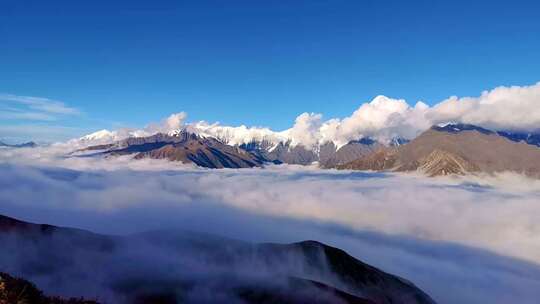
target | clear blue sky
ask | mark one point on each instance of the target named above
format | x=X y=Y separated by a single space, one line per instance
x=257 y=62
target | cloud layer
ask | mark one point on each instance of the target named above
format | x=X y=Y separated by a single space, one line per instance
x=423 y=229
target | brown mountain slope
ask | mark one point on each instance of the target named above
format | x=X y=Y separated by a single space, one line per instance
x=187 y=148
x=439 y=152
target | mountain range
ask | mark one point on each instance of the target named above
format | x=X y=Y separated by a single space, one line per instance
x=210 y=152
x=441 y=150
x=186 y=267
x=29 y=144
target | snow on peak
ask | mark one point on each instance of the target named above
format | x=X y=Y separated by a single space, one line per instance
x=98 y=135
x=446 y=124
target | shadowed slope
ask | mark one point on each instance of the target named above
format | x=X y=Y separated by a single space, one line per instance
x=191 y=268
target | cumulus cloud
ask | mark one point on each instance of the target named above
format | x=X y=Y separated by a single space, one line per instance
x=306 y=130
x=174 y=122
x=501 y=108
x=383 y=118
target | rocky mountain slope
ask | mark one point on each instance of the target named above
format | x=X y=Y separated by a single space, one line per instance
x=455 y=149
x=186 y=267
x=210 y=152
x=441 y=150
x=327 y=155
x=184 y=147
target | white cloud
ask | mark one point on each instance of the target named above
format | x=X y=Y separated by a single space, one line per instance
x=423 y=229
x=18 y=115
x=41 y=104
x=383 y=118
x=497 y=209
x=501 y=108
x=174 y=122
x=306 y=130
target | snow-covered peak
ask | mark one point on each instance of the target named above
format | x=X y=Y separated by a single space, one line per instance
x=98 y=135
x=445 y=124
x=236 y=135
x=107 y=137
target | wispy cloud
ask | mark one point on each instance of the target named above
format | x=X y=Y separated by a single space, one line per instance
x=25 y=118
x=40 y=104
x=18 y=115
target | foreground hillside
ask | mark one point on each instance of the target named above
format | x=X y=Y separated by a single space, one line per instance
x=19 y=291
x=166 y=267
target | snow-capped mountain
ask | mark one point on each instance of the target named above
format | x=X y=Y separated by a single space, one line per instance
x=213 y=147
x=451 y=148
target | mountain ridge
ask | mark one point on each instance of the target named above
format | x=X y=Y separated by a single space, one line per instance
x=302 y=272
x=441 y=150
x=452 y=149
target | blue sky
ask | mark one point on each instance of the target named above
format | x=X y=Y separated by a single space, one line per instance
x=250 y=62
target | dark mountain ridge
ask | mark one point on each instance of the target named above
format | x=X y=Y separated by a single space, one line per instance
x=29 y=144
x=161 y=267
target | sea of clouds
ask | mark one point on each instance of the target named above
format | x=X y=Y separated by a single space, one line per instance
x=462 y=240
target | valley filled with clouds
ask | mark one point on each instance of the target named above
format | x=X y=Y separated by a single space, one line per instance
x=461 y=239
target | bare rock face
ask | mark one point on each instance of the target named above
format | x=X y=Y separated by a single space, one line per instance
x=210 y=152
x=328 y=155
x=441 y=162
x=452 y=150
x=383 y=159
x=349 y=152
x=204 y=153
